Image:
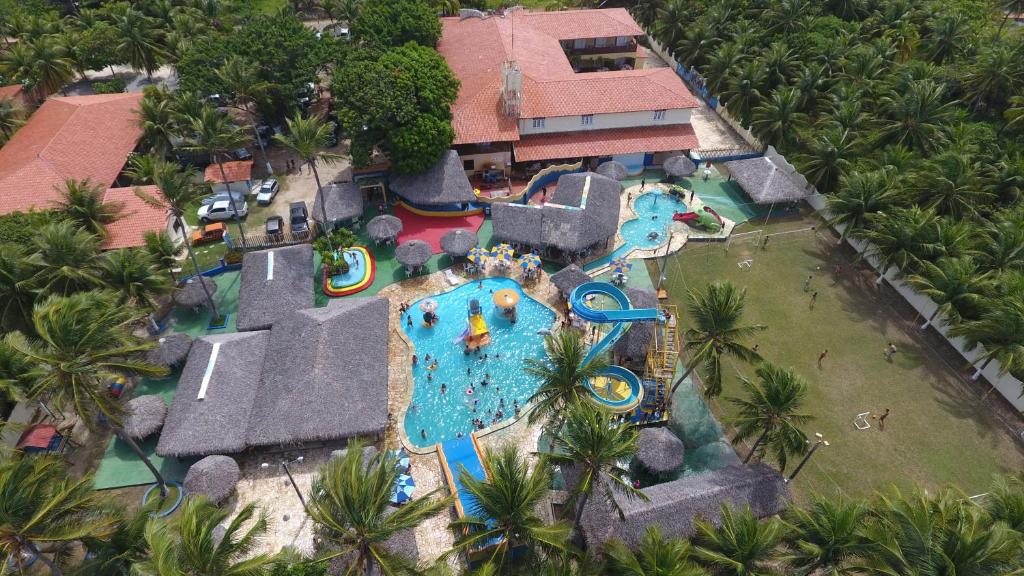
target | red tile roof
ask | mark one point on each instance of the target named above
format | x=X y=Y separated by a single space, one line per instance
x=237 y=171
x=475 y=49
x=136 y=218
x=73 y=137
x=14 y=91
x=605 y=142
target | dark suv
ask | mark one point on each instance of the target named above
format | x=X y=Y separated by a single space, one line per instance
x=298 y=217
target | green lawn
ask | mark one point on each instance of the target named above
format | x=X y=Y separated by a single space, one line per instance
x=938 y=431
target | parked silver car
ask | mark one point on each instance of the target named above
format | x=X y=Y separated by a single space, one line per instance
x=221 y=210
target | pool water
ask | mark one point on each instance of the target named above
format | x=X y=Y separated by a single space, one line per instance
x=443 y=416
x=356 y=273
x=654 y=215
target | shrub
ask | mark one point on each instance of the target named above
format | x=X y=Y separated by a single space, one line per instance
x=115 y=86
x=20 y=227
x=233 y=257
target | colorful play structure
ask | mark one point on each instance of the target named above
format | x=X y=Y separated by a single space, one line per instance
x=617 y=388
x=357 y=279
x=455 y=456
x=477 y=333
x=706 y=218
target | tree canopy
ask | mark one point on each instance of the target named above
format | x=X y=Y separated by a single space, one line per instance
x=395 y=22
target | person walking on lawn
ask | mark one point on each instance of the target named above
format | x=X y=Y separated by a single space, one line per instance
x=821 y=357
x=889 y=352
x=807 y=283
x=814 y=298
x=881 y=420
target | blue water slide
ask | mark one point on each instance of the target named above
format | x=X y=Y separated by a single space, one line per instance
x=457 y=455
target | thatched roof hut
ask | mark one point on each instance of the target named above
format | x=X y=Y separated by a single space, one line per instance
x=679 y=166
x=443 y=183
x=274 y=283
x=517 y=223
x=343 y=202
x=144 y=415
x=384 y=227
x=456 y=243
x=660 y=451
x=170 y=351
x=764 y=181
x=568 y=278
x=413 y=252
x=674 y=505
x=214 y=477
x=613 y=169
x=192 y=294
x=635 y=342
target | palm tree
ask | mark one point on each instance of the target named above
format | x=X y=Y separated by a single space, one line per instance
x=134 y=276
x=825 y=536
x=1002 y=242
x=202 y=540
x=777 y=120
x=830 y=155
x=349 y=504
x=41 y=503
x=770 y=411
x=246 y=88
x=951 y=184
x=83 y=203
x=215 y=134
x=344 y=10
x=740 y=546
x=505 y=507
x=17 y=294
x=742 y=91
x=64 y=258
x=52 y=69
x=157 y=119
x=1014 y=114
x=307 y=137
x=946 y=534
x=655 y=556
x=563 y=375
x=140 y=41
x=716 y=332
x=956 y=285
x=950 y=36
x=163 y=251
x=992 y=78
x=178 y=189
x=999 y=330
x=1005 y=502
x=115 y=554
x=10 y=119
x=901 y=238
x=721 y=64
x=861 y=193
x=916 y=117
x=595 y=443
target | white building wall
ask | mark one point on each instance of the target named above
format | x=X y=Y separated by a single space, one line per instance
x=604 y=121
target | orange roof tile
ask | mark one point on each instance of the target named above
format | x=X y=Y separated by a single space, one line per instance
x=573 y=24
x=137 y=217
x=14 y=91
x=605 y=142
x=73 y=137
x=236 y=171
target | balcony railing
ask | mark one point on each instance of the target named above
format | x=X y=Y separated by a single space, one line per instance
x=609 y=49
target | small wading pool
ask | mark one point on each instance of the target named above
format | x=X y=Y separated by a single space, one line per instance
x=654 y=215
x=443 y=416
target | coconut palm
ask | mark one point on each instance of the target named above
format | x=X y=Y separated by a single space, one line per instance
x=345 y=10
x=696 y=44
x=15 y=378
x=951 y=184
x=830 y=155
x=770 y=411
x=178 y=189
x=140 y=40
x=163 y=251
x=740 y=545
x=10 y=119
x=115 y=554
x=246 y=89
x=860 y=194
x=504 y=506
x=41 y=505
x=717 y=331
x=1000 y=330
x=916 y=117
x=956 y=285
x=1005 y=502
x=993 y=76
x=17 y=293
x=901 y=238
x=306 y=138
x=595 y=443
x=64 y=258
x=777 y=120
x=654 y=556
x=1014 y=114
x=157 y=119
x=82 y=201
x=350 y=506
x=206 y=540
x=1002 y=242
x=563 y=375
x=823 y=537
x=742 y=92
x=52 y=68
x=134 y=276
x=1004 y=178
x=215 y=134
x=948 y=38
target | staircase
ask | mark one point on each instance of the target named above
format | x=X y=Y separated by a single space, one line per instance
x=662 y=355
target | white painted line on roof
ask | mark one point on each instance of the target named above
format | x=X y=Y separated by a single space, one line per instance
x=209 y=371
x=270 y=266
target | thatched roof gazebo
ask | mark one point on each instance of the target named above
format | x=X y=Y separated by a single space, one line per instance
x=274 y=283
x=144 y=415
x=413 y=253
x=384 y=227
x=192 y=295
x=568 y=278
x=456 y=243
x=634 y=343
x=170 y=351
x=214 y=477
x=444 y=183
x=764 y=181
x=677 y=166
x=343 y=203
x=660 y=451
x=613 y=169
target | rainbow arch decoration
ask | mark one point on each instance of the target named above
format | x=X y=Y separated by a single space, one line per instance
x=336 y=286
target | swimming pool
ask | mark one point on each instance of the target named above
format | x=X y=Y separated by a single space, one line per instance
x=443 y=416
x=654 y=215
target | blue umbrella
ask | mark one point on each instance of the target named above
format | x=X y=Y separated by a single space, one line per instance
x=403 y=459
x=621 y=265
x=403 y=489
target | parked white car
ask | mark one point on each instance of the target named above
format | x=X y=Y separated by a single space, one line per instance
x=221 y=210
x=266 y=192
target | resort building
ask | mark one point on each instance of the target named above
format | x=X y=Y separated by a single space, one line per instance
x=79 y=137
x=275 y=283
x=318 y=376
x=442 y=186
x=237 y=174
x=540 y=88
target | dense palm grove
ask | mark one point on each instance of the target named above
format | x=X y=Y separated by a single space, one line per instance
x=906 y=113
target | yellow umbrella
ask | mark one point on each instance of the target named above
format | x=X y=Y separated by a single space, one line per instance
x=506 y=298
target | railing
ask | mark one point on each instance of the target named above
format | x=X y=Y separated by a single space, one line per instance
x=729 y=153
x=597 y=50
x=261 y=241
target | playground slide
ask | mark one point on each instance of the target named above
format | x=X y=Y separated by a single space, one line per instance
x=458 y=454
x=711 y=210
x=477 y=325
x=685 y=216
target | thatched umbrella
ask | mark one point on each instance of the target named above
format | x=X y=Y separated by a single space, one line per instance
x=659 y=450
x=613 y=169
x=384 y=227
x=457 y=243
x=192 y=294
x=214 y=477
x=144 y=415
x=171 y=350
x=414 y=253
x=679 y=166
